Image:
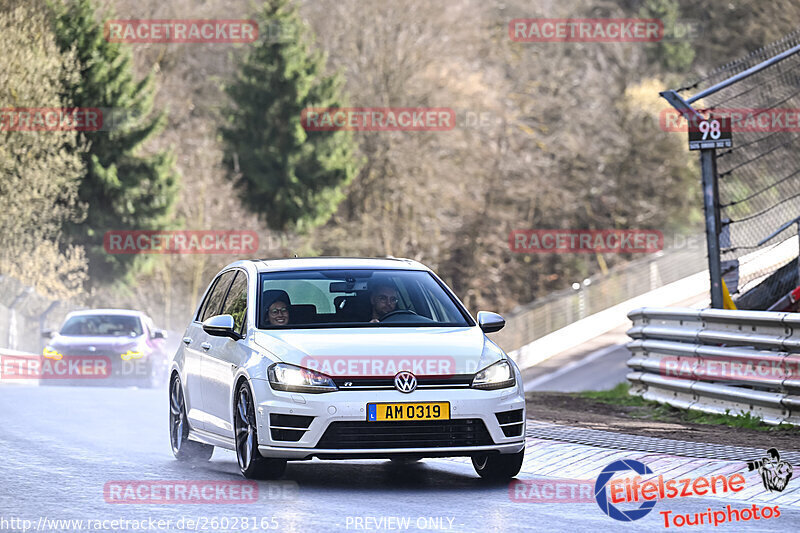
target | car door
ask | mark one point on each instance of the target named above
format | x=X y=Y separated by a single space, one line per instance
x=196 y=342
x=222 y=360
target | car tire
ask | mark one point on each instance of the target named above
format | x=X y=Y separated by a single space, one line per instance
x=498 y=467
x=405 y=460
x=251 y=463
x=182 y=448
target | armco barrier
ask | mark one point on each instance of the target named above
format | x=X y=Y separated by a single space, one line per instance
x=4 y=378
x=754 y=355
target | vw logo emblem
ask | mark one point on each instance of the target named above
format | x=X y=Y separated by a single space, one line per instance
x=405 y=382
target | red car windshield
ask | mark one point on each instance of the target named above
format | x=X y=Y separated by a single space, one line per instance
x=103 y=325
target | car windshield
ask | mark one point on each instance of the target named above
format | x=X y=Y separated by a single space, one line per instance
x=355 y=298
x=103 y=325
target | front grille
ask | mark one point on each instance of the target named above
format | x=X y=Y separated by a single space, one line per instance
x=511 y=422
x=417 y=434
x=288 y=428
x=387 y=382
x=84 y=352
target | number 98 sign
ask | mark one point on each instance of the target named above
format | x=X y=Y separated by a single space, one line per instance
x=712 y=132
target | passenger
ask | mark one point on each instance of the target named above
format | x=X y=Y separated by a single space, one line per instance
x=277 y=305
x=384 y=298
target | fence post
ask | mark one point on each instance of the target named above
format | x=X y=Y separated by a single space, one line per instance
x=708 y=163
x=654 y=277
x=42 y=319
x=12 y=318
x=708 y=166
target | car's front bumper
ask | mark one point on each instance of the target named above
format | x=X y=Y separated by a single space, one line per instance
x=345 y=453
x=469 y=409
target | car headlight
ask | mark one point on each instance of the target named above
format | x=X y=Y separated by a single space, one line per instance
x=131 y=354
x=51 y=353
x=293 y=378
x=496 y=376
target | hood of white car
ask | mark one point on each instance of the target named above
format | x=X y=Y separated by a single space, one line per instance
x=88 y=345
x=383 y=351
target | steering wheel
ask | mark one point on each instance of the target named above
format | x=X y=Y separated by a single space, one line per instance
x=397 y=312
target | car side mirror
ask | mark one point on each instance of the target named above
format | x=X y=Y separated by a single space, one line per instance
x=490 y=322
x=159 y=334
x=221 y=326
x=48 y=333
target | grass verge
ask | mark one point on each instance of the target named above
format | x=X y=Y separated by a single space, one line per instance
x=638 y=407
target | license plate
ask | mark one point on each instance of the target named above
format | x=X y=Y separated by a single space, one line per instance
x=382 y=412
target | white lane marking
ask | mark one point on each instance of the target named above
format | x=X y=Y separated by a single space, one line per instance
x=597 y=354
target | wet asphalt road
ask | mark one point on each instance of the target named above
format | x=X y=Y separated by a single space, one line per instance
x=598 y=370
x=60 y=446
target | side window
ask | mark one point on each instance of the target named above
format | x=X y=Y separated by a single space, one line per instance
x=204 y=305
x=148 y=326
x=404 y=293
x=236 y=302
x=214 y=300
x=435 y=309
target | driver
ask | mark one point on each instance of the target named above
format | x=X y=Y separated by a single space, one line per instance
x=384 y=298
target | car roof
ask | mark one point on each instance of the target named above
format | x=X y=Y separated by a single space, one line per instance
x=336 y=263
x=121 y=312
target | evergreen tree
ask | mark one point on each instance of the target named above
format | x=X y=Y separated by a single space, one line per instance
x=674 y=52
x=290 y=177
x=122 y=189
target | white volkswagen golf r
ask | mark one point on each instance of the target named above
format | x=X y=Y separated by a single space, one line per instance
x=340 y=358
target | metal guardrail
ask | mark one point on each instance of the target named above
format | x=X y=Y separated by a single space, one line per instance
x=718 y=361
